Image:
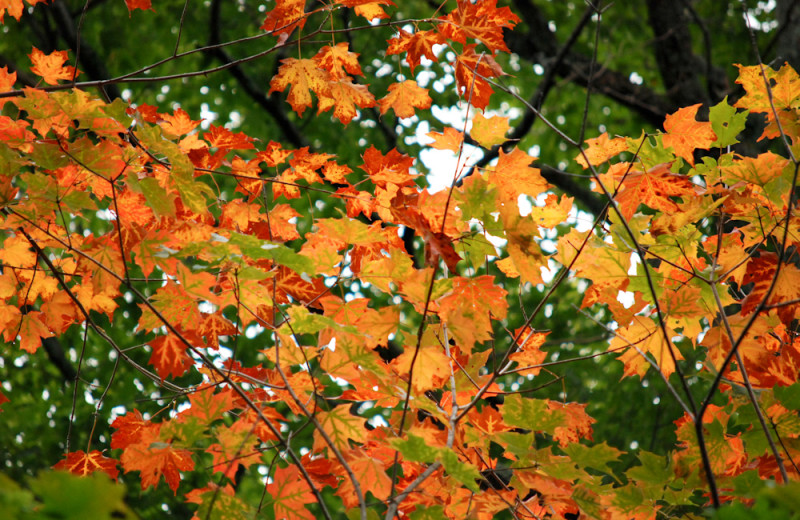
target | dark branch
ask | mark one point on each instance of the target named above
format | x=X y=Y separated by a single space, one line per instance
x=539 y=45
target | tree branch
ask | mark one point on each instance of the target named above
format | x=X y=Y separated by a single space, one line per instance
x=539 y=45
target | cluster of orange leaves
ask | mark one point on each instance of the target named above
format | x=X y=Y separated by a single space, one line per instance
x=227 y=265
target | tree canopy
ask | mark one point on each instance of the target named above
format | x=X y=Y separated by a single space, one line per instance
x=372 y=259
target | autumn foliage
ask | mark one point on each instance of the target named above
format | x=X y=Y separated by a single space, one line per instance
x=199 y=230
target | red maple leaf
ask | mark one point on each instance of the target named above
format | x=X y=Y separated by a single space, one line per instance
x=138 y=4
x=482 y=21
x=129 y=429
x=84 y=464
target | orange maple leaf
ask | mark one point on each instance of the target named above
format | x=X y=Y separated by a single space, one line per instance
x=600 y=149
x=344 y=96
x=467 y=308
x=652 y=188
x=31 y=331
x=472 y=71
x=15 y=7
x=338 y=61
x=84 y=464
x=51 y=66
x=369 y=9
x=451 y=139
x=290 y=493
x=223 y=139
x=154 y=457
x=169 y=356
x=644 y=336
x=285 y=17
x=530 y=353
x=431 y=367
x=488 y=420
x=404 y=97
x=371 y=474
x=129 y=429
x=177 y=124
x=513 y=175
x=305 y=77
x=685 y=133
x=416 y=46
x=7 y=80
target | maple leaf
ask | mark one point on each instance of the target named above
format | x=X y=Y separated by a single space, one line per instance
x=482 y=21
x=305 y=77
x=51 y=66
x=685 y=133
x=7 y=80
x=468 y=306
x=84 y=464
x=285 y=17
x=129 y=429
x=645 y=336
x=31 y=331
x=530 y=353
x=760 y=272
x=344 y=96
x=514 y=176
x=416 y=46
x=208 y=405
x=490 y=131
x=15 y=7
x=290 y=494
x=138 y=4
x=451 y=139
x=341 y=426
x=169 y=356
x=488 y=420
x=652 y=188
x=154 y=457
x=404 y=97
x=223 y=139
x=236 y=448
x=784 y=89
x=369 y=9
x=600 y=149
x=338 y=61
x=370 y=473
x=177 y=124
x=431 y=369
x=472 y=72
